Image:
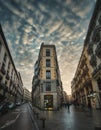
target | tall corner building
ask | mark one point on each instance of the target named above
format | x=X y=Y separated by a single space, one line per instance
x=47 y=91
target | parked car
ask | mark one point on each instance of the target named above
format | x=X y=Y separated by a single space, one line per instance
x=11 y=105
x=18 y=103
x=3 y=108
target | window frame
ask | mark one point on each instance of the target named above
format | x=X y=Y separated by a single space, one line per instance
x=48 y=63
x=48 y=86
x=48 y=74
x=47 y=52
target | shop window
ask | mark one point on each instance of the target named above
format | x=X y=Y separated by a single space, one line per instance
x=48 y=101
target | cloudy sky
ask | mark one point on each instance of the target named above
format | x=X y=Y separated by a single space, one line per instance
x=28 y=23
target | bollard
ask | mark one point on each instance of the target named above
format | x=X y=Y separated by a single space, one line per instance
x=43 y=122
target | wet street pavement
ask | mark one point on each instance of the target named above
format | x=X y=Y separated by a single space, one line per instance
x=17 y=119
x=26 y=117
x=69 y=120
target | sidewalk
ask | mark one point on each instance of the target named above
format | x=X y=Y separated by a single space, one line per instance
x=68 y=120
x=5 y=118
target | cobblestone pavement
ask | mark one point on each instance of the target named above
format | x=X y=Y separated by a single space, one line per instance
x=63 y=119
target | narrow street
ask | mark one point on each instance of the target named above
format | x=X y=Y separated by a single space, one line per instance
x=75 y=119
x=17 y=119
x=23 y=118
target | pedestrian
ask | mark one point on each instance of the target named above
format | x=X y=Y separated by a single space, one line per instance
x=68 y=106
x=89 y=106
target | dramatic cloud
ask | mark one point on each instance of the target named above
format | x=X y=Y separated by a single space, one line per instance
x=27 y=24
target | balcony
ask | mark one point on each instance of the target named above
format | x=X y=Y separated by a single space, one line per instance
x=84 y=73
x=57 y=82
x=36 y=82
x=93 y=60
x=3 y=70
x=11 y=92
x=82 y=62
x=0 y=77
x=2 y=85
x=99 y=20
x=6 y=88
x=90 y=49
x=96 y=71
x=11 y=82
x=87 y=83
x=86 y=68
x=98 y=50
x=7 y=76
x=96 y=34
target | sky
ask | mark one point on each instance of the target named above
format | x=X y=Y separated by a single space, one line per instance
x=63 y=23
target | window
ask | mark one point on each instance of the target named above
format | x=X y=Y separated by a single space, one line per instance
x=47 y=62
x=48 y=101
x=48 y=86
x=5 y=57
x=47 y=52
x=48 y=74
x=9 y=65
x=99 y=83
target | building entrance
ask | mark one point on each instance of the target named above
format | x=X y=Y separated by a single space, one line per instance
x=48 y=101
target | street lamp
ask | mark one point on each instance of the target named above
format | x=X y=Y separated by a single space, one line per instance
x=95 y=93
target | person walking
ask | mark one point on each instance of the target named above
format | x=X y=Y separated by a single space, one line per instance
x=68 y=106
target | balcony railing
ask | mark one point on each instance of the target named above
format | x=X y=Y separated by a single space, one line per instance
x=99 y=19
x=90 y=49
x=36 y=82
x=82 y=63
x=0 y=77
x=3 y=70
x=96 y=34
x=98 y=50
x=96 y=70
x=6 y=88
x=84 y=73
x=2 y=85
x=87 y=83
x=93 y=61
x=11 y=92
x=7 y=76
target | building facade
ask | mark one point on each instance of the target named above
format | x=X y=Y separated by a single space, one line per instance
x=47 y=91
x=86 y=85
x=27 y=95
x=11 y=86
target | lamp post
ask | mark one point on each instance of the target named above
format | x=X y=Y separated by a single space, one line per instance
x=96 y=95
